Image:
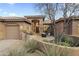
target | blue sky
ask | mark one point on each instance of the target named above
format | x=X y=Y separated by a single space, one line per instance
x=18 y=9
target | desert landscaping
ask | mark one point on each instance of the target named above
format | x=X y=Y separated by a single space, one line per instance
x=35 y=47
x=54 y=32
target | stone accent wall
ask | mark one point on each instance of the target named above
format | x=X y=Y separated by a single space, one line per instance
x=58 y=49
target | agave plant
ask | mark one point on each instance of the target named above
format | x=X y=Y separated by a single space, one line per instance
x=53 y=51
x=48 y=50
x=31 y=46
x=17 y=53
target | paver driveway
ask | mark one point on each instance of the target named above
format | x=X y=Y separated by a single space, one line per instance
x=6 y=45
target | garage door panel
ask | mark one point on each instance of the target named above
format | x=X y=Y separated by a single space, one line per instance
x=12 y=32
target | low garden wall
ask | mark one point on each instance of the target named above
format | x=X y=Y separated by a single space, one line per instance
x=58 y=49
x=73 y=36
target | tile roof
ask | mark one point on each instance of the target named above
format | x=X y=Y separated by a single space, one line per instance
x=35 y=16
x=47 y=22
x=74 y=17
x=13 y=18
x=59 y=20
x=71 y=17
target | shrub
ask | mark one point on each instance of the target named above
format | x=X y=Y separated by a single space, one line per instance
x=64 y=44
x=67 y=41
x=31 y=46
x=28 y=48
x=63 y=40
x=53 y=51
x=17 y=53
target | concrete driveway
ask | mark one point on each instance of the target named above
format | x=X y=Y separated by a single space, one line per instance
x=6 y=45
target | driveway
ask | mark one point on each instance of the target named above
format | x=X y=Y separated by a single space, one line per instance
x=6 y=45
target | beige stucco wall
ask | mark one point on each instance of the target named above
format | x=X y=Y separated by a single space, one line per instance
x=25 y=27
x=2 y=31
x=22 y=27
x=75 y=28
x=59 y=27
x=41 y=25
x=45 y=27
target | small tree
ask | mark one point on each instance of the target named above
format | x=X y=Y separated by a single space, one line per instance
x=50 y=11
x=68 y=9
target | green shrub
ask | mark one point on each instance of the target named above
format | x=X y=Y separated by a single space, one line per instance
x=64 y=44
x=72 y=41
x=64 y=40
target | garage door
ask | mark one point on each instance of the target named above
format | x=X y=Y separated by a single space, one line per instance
x=12 y=32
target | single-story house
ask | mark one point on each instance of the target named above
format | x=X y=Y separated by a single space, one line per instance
x=36 y=23
x=71 y=29
x=12 y=27
x=48 y=29
x=59 y=25
x=15 y=27
x=74 y=25
x=46 y=25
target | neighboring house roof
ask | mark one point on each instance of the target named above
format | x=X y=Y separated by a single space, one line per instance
x=13 y=18
x=71 y=17
x=74 y=17
x=47 y=22
x=60 y=20
x=35 y=17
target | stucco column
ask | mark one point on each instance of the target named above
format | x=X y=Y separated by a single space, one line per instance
x=23 y=35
